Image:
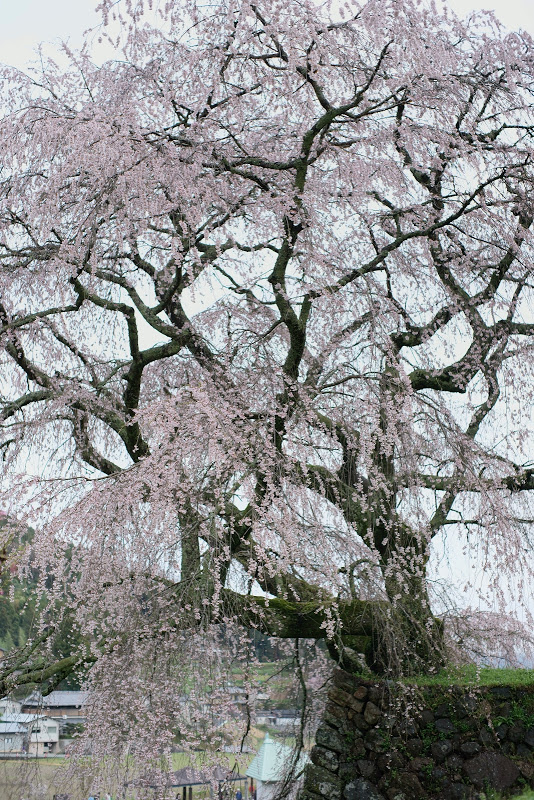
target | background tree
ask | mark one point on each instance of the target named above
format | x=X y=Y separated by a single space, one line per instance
x=265 y=324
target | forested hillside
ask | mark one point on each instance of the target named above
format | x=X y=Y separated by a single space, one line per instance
x=22 y=602
x=17 y=597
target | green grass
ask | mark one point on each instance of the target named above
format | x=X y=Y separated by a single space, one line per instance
x=492 y=795
x=267 y=669
x=262 y=672
x=469 y=675
x=198 y=759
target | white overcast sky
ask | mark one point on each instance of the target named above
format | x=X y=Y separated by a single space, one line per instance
x=25 y=23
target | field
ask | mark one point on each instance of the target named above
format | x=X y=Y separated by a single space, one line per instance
x=43 y=778
x=37 y=778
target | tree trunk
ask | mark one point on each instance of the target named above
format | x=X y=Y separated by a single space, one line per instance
x=409 y=639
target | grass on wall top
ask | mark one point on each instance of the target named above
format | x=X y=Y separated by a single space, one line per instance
x=470 y=675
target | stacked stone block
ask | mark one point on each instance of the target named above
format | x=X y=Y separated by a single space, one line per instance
x=382 y=741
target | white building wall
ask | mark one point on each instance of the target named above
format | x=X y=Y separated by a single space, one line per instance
x=11 y=743
x=44 y=737
x=8 y=706
x=38 y=735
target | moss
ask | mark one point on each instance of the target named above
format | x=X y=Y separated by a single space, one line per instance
x=306 y=620
x=357 y=643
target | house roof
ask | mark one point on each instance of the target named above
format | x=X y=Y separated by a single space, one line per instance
x=22 y=719
x=11 y=727
x=66 y=699
x=271 y=761
x=6 y=703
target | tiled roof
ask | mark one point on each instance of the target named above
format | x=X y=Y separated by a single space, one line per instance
x=57 y=700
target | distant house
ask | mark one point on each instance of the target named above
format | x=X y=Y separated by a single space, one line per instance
x=278 y=718
x=13 y=738
x=237 y=694
x=268 y=768
x=66 y=707
x=9 y=706
x=34 y=734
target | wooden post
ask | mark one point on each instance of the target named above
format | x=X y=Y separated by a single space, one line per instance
x=190 y=793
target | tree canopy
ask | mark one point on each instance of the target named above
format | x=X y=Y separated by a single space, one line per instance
x=266 y=330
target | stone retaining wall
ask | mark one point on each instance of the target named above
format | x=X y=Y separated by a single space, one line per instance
x=381 y=741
